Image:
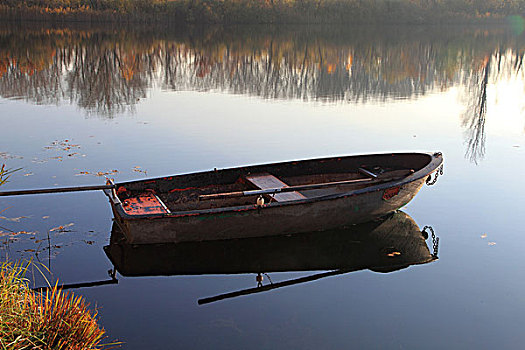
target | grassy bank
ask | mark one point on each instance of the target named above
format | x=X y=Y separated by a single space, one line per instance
x=262 y=11
x=47 y=320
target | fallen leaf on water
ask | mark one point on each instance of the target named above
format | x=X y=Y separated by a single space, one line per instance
x=28 y=174
x=393 y=254
x=61 y=228
x=492 y=243
x=14 y=219
x=104 y=173
x=12 y=234
x=45 y=217
x=484 y=235
x=5 y=155
x=29 y=250
x=89 y=242
x=138 y=170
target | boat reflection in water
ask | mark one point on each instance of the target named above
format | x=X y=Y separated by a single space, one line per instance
x=384 y=245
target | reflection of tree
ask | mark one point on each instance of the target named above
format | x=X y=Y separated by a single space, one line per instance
x=107 y=71
x=474 y=117
x=499 y=64
x=105 y=79
x=98 y=78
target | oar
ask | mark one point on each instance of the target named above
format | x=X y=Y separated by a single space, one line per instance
x=79 y=285
x=57 y=190
x=292 y=188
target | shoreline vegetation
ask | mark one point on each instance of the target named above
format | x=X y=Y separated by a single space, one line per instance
x=49 y=319
x=263 y=11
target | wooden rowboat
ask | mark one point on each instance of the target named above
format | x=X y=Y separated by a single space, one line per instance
x=270 y=199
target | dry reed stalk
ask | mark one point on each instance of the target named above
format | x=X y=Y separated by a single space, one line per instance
x=51 y=319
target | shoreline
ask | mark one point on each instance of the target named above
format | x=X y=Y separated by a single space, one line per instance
x=274 y=12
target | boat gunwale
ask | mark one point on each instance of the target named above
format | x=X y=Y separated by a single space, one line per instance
x=436 y=159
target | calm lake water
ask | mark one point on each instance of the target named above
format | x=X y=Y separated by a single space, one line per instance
x=80 y=103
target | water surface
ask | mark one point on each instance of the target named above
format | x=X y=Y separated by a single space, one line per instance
x=79 y=103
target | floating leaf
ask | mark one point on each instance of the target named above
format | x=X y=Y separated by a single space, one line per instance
x=14 y=219
x=492 y=243
x=13 y=234
x=5 y=155
x=484 y=235
x=61 y=228
x=138 y=170
x=393 y=254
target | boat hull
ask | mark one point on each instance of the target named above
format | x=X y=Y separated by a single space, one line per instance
x=271 y=220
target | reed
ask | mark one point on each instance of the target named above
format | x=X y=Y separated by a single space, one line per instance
x=5 y=174
x=51 y=319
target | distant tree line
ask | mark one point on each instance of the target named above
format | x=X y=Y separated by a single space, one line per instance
x=262 y=11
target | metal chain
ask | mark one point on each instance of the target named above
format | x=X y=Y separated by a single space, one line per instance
x=435 y=240
x=439 y=172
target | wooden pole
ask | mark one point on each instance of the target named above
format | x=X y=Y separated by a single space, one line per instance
x=57 y=190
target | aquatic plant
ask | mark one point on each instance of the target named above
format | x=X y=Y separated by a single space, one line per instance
x=5 y=174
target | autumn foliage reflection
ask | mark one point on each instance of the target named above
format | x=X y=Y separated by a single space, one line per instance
x=107 y=71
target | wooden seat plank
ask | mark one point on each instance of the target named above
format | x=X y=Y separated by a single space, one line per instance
x=268 y=181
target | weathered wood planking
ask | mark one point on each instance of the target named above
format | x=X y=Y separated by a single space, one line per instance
x=267 y=181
